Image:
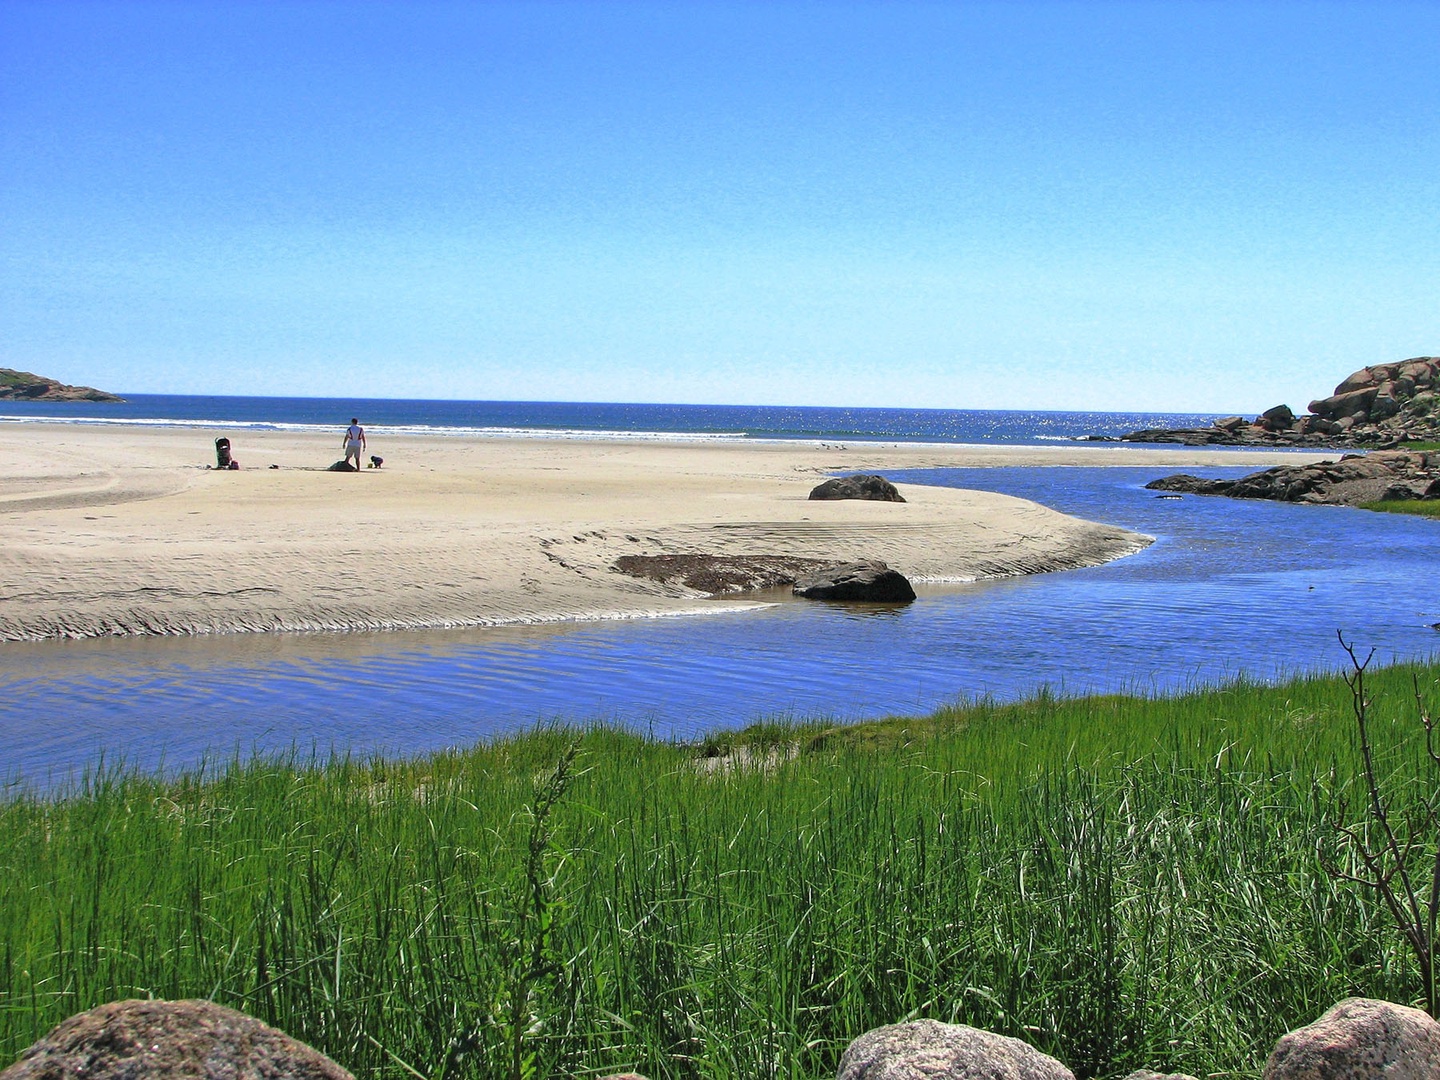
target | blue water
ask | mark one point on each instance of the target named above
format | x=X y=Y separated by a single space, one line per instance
x=1229 y=587
x=591 y=420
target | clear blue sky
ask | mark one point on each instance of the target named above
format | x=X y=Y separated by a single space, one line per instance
x=1203 y=206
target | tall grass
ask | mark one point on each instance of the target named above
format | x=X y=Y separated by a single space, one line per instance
x=1420 y=507
x=1121 y=881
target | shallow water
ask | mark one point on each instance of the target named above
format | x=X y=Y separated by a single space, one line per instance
x=1229 y=587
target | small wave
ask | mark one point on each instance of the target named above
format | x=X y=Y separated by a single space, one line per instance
x=391 y=431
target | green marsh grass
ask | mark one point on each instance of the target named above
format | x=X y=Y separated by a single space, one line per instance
x=1122 y=881
x=1420 y=507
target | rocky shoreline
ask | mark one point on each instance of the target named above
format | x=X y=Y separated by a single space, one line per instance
x=1354 y=480
x=27 y=386
x=1376 y=407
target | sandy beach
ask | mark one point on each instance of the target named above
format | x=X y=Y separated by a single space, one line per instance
x=117 y=530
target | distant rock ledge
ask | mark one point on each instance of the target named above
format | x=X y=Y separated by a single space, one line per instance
x=27 y=386
x=1376 y=407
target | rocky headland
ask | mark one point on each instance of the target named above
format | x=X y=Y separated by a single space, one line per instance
x=1354 y=480
x=1380 y=406
x=27 y=386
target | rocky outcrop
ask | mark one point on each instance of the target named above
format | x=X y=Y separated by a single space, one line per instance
x=930 y=1050
x=1377 y=406
x=26 y=386
x=867 y=581
x=858 y=486
x=1380 y=476
x=1360 y=1039
x=170 y=1040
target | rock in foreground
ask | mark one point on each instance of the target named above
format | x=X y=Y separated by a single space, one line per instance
x=930 y=1050
x=27 y=386
x=858 y=486
x=1381 y=476
x=170 y=1040
x=1360 y=1039
x=871 y=581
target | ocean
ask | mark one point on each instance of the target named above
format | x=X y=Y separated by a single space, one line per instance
x=518 y=419
x=1229 y=588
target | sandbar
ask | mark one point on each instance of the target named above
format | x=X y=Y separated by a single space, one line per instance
x=123 y=530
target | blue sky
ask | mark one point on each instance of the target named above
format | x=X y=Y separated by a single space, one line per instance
x=1199 y=207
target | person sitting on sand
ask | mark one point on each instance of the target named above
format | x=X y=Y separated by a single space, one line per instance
x=354 y=442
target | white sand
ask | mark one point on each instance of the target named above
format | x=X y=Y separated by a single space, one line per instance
x=122 y=530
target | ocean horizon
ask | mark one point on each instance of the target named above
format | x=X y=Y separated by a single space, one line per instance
x=601 y=420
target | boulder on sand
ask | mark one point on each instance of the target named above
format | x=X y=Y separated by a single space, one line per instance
x=1358 y=1039
x=170 y=1040
x=858 y=486
x=871 y=581
x=930 y=1050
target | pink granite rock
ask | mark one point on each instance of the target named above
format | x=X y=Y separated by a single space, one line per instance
x=170 y=1040
x=1360 y=1039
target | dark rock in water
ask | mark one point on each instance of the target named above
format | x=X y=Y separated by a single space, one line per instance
x=1190 y=485
x=858 y=486
x=1358 y=1039
x=1355 y=479
x=342 y=466
x=930 y=1050
x=165 y=1040
x=1211 y=436
x=720 y=574
x=27 y=386
x=870 y=581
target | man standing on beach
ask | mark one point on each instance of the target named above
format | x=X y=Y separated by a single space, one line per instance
x=354 y=442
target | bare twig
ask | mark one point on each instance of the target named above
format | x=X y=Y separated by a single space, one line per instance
x=1385 y=855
